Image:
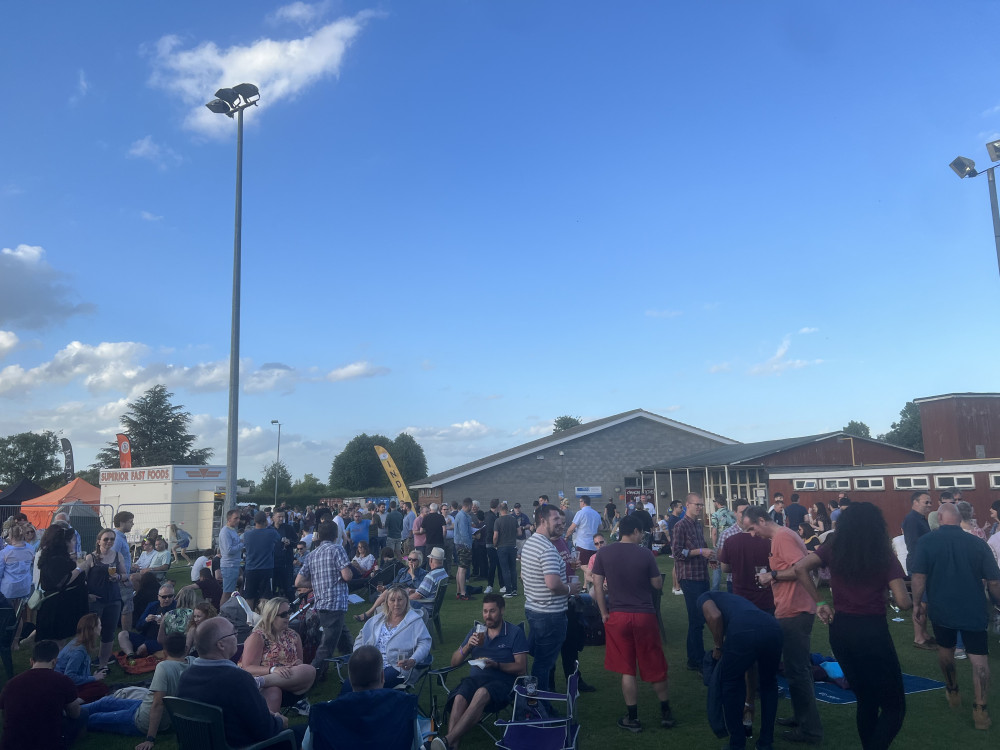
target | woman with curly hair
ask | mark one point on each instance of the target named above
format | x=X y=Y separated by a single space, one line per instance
x=74 y=659
x=863 y=569
x=273 y=654
x=203 y=610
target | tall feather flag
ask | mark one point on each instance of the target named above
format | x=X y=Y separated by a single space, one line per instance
x=390 y=468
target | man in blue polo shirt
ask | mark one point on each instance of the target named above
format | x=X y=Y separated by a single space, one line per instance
x=504 y=650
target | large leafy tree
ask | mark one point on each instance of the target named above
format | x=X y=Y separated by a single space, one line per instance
x=357 y=468
x=857 y=429
x=907 y=432
x=308 y=486
x=409 y=457
x=565 y=422
x=158 y=431
x=31 y=455
x=275 y=469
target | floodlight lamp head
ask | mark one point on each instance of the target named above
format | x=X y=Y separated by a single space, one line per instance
x=248 y=91
x=220 y=107
x=964 y=167
x=274 y=421
x=229 y=96
x=993 y=149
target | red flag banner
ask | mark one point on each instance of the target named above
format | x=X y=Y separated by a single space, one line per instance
x=124 y=450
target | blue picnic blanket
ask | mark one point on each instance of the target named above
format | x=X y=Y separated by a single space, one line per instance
x=828 y=692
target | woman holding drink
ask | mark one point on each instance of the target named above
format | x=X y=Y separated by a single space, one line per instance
x=399 y=633
x=104 y=569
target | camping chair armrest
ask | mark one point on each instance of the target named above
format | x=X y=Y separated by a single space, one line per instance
x=529 y=722
x=544 y=695
x=339 y=662
x=442 y=674
x=284 y=739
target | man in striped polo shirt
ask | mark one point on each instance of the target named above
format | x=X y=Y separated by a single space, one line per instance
x=546 y=591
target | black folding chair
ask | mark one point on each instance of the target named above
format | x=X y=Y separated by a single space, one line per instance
x=199 y=726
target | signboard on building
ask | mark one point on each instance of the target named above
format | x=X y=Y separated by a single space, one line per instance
x=591 y=492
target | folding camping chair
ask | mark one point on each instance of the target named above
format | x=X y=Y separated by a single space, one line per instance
x=363 y=721
x=383 y=577
x=527 y=730
x=199 y=726
x=438 y=717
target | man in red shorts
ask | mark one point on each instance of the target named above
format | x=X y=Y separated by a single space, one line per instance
x=631 y=633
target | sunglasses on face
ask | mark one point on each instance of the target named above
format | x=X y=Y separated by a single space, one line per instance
x=164 y=596
x=598 y=544
x=412 y=559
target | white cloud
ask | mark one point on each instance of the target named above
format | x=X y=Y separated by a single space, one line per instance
x=301 y=13
x=808 y=330
x=82 y=86
x=32 y=293
x=271 y=376
x=467 y=430
x=280 y=69
x=8 y=340
x=662 y=313
x=147 y=216
x=778 y=363
x=721 y=367
x=147 y=148
x=426 y=365
x=355 y=370
x=538 y=429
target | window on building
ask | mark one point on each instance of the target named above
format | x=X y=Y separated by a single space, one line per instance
x=805 y=485
x=910 y=483
x=954 y=481
x=633 y=482
x=836 y=484
x=869 y=483
x=995 y=481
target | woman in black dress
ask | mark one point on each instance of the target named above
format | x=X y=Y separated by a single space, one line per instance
x=64 y=586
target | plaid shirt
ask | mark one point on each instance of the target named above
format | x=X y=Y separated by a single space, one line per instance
x=322 y=567
x=731 y=531
x=689 y=535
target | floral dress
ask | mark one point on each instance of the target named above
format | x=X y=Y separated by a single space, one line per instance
x=281 y=651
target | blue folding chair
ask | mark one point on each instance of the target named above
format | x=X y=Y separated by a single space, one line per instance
x=528 y=730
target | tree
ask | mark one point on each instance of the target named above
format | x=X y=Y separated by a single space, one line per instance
x=907 y=432
x=409 y=457
x=31 y=455
x=250 y=484
x=564 y=423
x=308 y=486
x=158 y=433
x=272 y=470
x=357 y=468
x=857 y=429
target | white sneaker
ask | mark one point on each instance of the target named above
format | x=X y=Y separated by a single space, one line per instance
x=503 y=589
x=960 y=653
x=678 y=592
x=488 y=590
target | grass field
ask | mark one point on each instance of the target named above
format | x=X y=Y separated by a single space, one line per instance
x=929 y=722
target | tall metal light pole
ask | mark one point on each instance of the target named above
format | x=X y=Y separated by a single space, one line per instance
x=231 y=102
x=964 y=167
x=277 y=462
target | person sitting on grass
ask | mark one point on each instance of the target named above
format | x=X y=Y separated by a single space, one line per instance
x=273 y=654
x=504 y=651
x=211 y=589
x=155 y=559
x=74 y=659
x=40 y=706
x=178 y=620
x=423 y=592
x=145 y=717
x=203 y=610
x=143 y=641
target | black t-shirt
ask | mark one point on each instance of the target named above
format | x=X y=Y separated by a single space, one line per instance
x=434 y=529
x=645 y=520
x=506 y=529
x=283 y=553
x=795 y=513
x=488 y=521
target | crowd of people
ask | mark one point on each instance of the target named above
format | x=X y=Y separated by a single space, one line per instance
x=756 y=575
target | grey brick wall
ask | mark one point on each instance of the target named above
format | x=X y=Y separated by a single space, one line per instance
x=603 y=458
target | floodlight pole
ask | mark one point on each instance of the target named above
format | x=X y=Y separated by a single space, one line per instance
x=991 y=178
x=232 y=432
x=277 y=462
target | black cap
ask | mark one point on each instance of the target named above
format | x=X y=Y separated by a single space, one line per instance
x=517 y=505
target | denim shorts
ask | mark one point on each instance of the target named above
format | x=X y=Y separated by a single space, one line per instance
x=230 y=576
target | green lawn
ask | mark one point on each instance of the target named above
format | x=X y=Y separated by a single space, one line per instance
x=929 y=722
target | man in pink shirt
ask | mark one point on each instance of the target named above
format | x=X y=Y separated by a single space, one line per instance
x=796 y=611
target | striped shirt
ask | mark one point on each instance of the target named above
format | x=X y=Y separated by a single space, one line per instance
x=539 y=558
x=734 y=529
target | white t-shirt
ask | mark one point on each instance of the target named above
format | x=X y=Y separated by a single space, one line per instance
x=651 y=509
x=200 y=564
x=588 y=523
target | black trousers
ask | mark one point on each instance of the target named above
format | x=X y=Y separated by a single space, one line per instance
x=493 y=567
x=740 y=650
x=866 y=653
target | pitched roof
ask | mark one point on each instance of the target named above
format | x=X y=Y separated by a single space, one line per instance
x=729 y=455
x=555 y=439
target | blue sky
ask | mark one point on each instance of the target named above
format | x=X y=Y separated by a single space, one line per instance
x=463 y=220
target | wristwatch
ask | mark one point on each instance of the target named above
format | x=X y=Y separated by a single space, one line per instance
x=774 y=575
x=150 y=739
